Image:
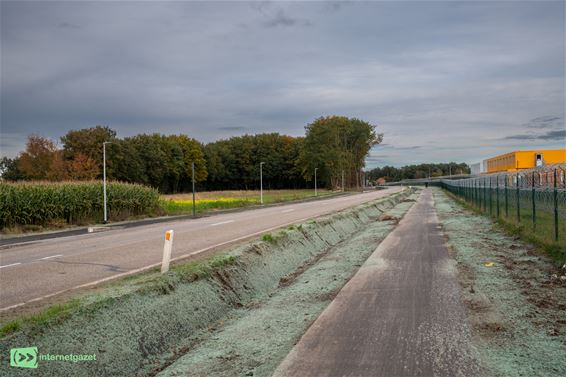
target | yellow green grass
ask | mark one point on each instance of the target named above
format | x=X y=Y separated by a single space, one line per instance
x=219 y=200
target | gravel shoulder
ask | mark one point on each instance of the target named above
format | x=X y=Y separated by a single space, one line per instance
x=515 y=296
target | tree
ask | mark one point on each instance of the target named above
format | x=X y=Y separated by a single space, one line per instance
x=192 y=151
x=87 y=142
x=392 y=174
x=334 y=145
x=35 y=162
x=9 y=170
x=82 y=168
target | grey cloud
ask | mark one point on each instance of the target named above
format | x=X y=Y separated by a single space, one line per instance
x=281 y=19
x=554 y=135
x=67 y=25
x=442 y=82
x=559 y=135
x=547 y=121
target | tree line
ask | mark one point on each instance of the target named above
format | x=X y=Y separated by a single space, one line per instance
x=393 y=174
x=336 y=146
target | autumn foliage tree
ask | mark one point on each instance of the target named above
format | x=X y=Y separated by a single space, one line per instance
x=36 y=161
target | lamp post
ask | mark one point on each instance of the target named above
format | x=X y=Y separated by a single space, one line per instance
x=315 y=191
x=193 y=169
x=104 y=178
x=261 y=181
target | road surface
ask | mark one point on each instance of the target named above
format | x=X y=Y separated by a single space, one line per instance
x=400 y=315
x=35 y=270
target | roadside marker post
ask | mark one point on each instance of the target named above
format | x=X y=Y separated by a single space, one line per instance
x=167 y=247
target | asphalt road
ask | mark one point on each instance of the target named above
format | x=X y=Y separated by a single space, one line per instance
x=400 y=315
x=35 y=270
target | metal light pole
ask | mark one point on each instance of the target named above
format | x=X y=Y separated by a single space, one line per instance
x=261 y=181
x=104 y=178
x=194 y=210
x=315 y=191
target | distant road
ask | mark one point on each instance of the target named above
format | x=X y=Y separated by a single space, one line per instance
x=34 y=270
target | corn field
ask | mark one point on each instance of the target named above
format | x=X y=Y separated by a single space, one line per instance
x=534 y=200
x=42 y=203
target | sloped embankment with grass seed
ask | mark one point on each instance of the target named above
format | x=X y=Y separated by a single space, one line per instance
x=515 y=295
x=140 y=325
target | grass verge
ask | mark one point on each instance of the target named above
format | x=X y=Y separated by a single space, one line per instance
x=542 y=241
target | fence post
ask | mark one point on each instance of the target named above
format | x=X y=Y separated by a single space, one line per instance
x=533 y=198
x=497 y=193
x=485 y=195
x=506 y=204
x=518 y=202
x=555 y=208
x=475 y=193
x=490 y=198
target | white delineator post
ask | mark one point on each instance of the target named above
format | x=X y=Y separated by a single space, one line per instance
x=167 y=247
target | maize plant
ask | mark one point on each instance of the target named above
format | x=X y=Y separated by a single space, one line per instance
x=41 y=203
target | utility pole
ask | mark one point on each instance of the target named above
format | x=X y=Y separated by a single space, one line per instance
x=343 y=188
x=261 y=181
x=104 y=178
x=315 y=191
x=194 y=208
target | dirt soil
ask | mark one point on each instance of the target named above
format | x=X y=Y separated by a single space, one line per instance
x=515 y=296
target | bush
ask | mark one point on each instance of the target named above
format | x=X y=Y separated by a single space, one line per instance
x=41 y=203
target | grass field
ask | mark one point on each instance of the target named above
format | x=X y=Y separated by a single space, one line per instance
x=176 y=204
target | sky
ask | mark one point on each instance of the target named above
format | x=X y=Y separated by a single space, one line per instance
x=443 y=80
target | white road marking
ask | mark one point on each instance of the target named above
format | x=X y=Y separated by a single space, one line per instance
x=223 y=222
x=52 y=256
x=8 y=265
x=181 y=257
x=142 y=269
x=288 y=210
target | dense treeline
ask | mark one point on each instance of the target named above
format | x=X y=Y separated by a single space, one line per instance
x=392 y=174
x=334 y=145
x=234 y=163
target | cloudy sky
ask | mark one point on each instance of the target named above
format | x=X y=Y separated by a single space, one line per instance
x=443 y=80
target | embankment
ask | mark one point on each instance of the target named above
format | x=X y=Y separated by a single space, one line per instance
x=140 y=325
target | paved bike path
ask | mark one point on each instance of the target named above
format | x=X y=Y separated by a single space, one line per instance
x=400 y=315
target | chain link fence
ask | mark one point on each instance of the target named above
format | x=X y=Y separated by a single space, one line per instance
x=534 y=200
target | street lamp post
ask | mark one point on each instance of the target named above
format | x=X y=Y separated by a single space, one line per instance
x=261 y=181
x=315 y=188
x=193 y=168
x=104 y=178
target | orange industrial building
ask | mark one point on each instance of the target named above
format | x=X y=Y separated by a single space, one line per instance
x=520 y=160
